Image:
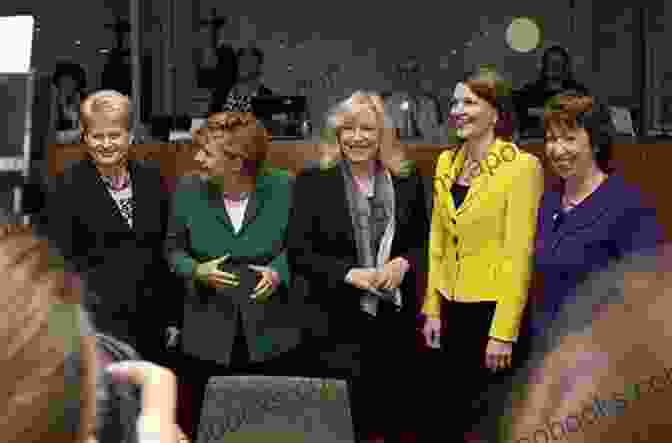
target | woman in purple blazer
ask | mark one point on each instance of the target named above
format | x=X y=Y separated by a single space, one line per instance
x=594 y=217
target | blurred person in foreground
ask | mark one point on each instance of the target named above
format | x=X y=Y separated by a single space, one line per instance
x=358 y=255
x=54 y=385
x=603 y=371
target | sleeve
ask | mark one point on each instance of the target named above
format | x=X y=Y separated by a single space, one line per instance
x=639 y=231
x=303 y=235
x=516 y=269
x=177 y=237
x=437 y=246
x=60 y=221
x=279 y=263
x=416 y=240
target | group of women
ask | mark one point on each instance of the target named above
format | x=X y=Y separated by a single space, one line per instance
x=355 y=232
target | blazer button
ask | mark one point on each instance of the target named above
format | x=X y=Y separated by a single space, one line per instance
x=455 y=240
x=454 y=221
x=457 y=256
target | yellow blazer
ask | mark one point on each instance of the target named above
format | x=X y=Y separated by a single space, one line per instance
x=483 y=250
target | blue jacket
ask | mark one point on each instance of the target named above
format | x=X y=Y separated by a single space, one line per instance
x=610 y=224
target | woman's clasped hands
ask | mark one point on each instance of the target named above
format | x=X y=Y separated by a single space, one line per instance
x=388 y=277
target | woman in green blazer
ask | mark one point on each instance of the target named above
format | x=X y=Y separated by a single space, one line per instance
x=233 y=216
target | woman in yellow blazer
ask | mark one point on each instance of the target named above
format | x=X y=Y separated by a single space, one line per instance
x=486 y=197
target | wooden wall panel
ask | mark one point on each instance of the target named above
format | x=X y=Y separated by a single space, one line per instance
x=646 y=166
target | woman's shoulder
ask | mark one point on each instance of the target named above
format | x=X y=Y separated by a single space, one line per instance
x=627 y=195
x=508 y=153
x=187 y=184
x=276 y=178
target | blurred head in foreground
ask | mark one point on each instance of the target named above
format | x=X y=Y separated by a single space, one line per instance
x=605 y=371
x=53 y=387
x=49 y=379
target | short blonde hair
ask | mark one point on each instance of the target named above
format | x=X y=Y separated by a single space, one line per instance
x=111 y=105
x=37 y=405
x=391 y=153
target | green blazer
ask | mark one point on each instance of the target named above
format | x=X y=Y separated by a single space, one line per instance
x=199 y=229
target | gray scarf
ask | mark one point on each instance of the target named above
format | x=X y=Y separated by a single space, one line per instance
x=373 y=234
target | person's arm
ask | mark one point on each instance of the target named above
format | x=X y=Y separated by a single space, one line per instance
x=639 y=231
x=516 y=267
x=437 y=245
x=177 y=237
x=416 y=237
x=61 y=221
x=279 y=263
x=303 y=234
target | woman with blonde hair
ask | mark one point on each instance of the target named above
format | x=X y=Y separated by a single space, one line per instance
x=107 y=214
x=357 y=254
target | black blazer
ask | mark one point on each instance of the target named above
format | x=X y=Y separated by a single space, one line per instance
x=321 y=245
x=122 y=266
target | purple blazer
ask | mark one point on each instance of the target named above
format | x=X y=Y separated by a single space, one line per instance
x=611 y=223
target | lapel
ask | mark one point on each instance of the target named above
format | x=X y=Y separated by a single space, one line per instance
x=342 y=216
x=254 y=204
x=589 y=212
x=108 y=211
x=403 y=193
x=449 y=175
x=140 y=196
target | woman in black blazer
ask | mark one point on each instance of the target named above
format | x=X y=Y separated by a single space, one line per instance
x=357 y=231
x=107 y=214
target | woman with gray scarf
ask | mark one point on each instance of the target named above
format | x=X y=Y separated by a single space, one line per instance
x=357 y=254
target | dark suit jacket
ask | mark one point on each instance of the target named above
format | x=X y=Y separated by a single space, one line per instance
x=200 y=230
x=609 y=225
x=321 y=248
x=123 y=266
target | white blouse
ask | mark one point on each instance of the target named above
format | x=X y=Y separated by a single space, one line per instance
x=236 y=210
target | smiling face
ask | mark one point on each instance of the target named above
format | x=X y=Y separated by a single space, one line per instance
x=108 y=142
x=569 y=151
x=473 y=116
x=105 y=121
x=359 y=136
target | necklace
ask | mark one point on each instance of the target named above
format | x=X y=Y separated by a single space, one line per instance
x=568 y=204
